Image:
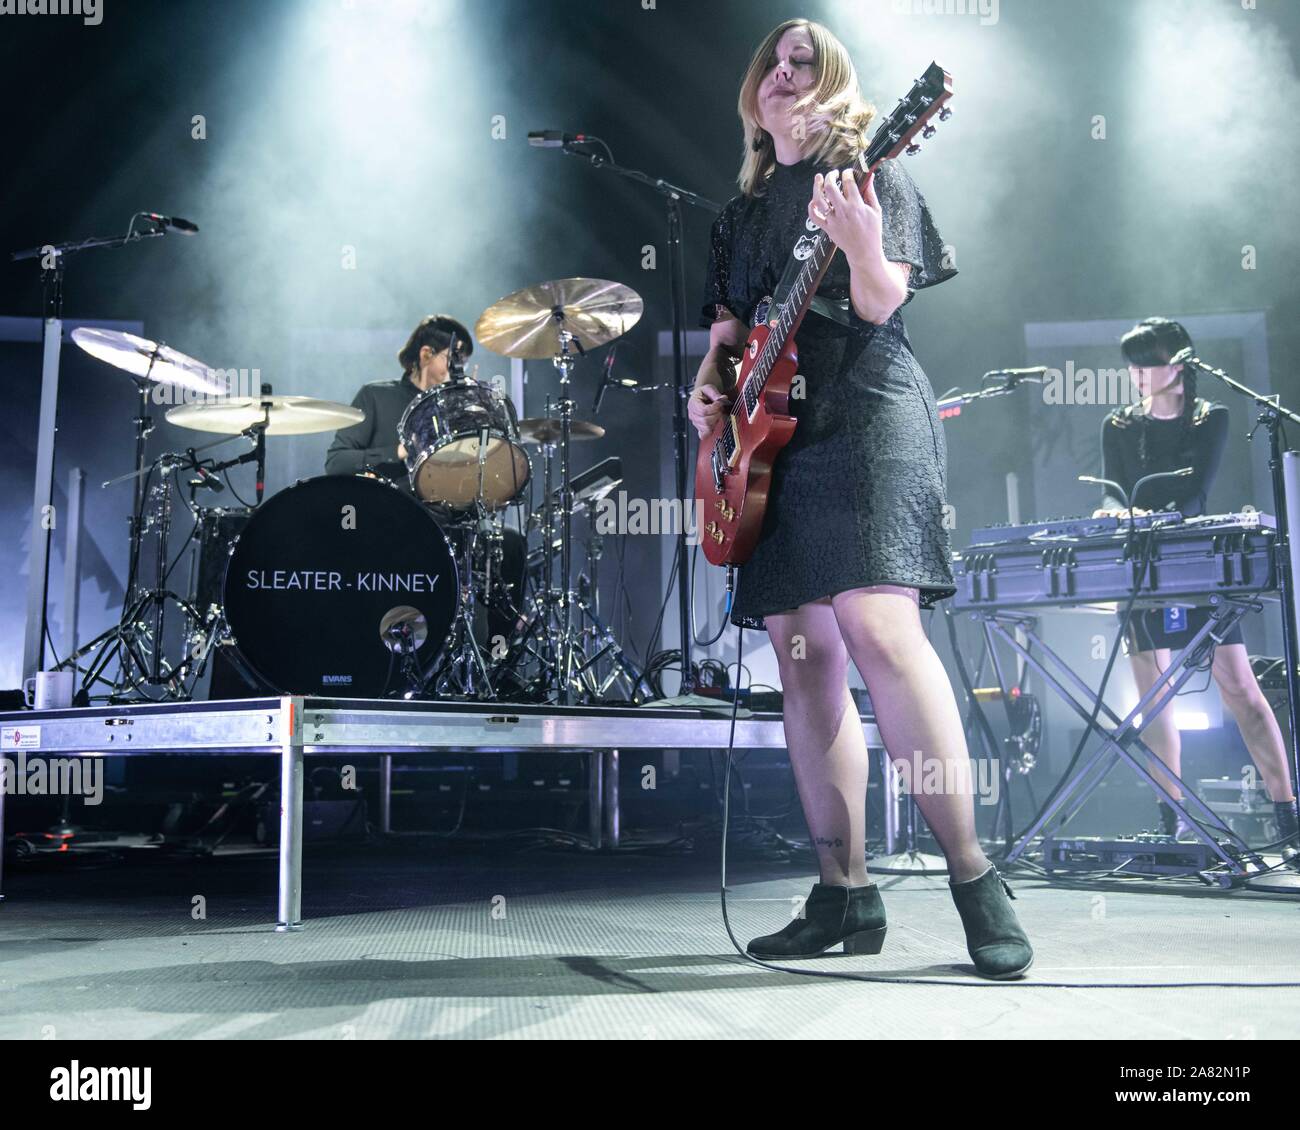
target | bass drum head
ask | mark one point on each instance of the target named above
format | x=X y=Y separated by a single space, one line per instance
x=321 y=568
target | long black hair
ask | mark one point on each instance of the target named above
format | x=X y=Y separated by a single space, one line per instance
x=1152 y=342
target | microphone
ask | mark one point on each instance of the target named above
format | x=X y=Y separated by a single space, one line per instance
x=173 y=223
x=1097 y=480
x=604 y=379
x=1020 y=374
x=455 y=362
x=403 y=629
x=261 y=454
x=205 y=477
x=554 y=138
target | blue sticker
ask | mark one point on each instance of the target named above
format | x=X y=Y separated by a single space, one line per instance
x=1175 y=619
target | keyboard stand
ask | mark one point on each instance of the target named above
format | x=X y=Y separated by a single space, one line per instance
x=1122 y=742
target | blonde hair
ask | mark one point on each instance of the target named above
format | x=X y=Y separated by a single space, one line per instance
x=835 y=114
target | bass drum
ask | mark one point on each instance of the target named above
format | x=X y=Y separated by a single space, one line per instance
x=322 y=570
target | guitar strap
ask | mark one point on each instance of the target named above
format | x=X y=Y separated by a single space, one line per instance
x=835 y=311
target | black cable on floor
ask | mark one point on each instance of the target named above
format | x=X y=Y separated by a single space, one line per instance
x=975 y=982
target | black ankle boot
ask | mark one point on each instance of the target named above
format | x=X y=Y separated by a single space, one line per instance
x=852 y=915
x=1174 y=825
x=1288 y=828
x=994 y=939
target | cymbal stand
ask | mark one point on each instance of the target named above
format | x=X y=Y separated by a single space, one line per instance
x=564 y=362
x=138 y=644
x=556 y=604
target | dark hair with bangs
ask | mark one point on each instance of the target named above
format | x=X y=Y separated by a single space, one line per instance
x=436 y=332
x=1150 y=344
x=1153 y=341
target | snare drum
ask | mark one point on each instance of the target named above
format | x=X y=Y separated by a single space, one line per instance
x=462 y=446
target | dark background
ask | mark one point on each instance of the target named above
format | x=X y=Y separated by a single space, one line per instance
x=369 y=125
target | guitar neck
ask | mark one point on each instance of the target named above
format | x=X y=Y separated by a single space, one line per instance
x=912 y=115
x=818 y=263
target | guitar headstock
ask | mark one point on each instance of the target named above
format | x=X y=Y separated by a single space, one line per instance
x=897 y=134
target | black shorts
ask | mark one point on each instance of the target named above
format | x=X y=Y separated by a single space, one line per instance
x=1146 y=631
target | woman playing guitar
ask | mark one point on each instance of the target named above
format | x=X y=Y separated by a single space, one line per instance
x=853 y=541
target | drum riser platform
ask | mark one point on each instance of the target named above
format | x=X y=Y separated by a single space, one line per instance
x=292 y=727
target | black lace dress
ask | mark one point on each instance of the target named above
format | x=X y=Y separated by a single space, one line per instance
x=858 y=495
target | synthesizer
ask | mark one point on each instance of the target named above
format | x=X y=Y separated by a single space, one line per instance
x=1072 y=561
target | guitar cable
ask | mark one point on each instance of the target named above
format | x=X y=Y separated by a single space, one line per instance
x=969 y=983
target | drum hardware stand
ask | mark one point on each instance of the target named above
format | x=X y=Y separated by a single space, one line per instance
x=1123 y=741
x=556 y=604
x=132 y=637
x=564 y=362
x=404 y=637
x=130 y=632
x=463 y=671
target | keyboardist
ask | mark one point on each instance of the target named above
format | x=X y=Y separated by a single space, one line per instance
x=1170 y=427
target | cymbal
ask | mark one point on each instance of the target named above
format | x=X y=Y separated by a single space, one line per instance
x=546 y=429
x=525 y=324
x=147 y=360
x=288 y=415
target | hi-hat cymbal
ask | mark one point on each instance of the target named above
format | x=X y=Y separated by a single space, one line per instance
x=546 y=429
x=287 y=415
x=147 y=360
x=527 y=324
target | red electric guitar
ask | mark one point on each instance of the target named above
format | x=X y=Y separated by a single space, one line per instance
x=734 y=470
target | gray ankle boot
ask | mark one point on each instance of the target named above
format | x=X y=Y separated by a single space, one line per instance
x=994 y=939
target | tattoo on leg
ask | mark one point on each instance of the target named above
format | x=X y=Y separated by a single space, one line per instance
x=822 y=841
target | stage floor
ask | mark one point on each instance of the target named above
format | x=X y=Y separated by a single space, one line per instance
x=424 y=938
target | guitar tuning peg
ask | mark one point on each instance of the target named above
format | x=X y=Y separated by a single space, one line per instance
x=945 y=114
x=929 y=132
x=912 y=149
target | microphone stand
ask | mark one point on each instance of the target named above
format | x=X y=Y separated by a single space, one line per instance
x=53 y=262
x=952 y=404
x=1272 y=416
x=674 y=196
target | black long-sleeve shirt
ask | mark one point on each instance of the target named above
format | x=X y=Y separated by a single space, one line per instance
x=1167 y=448
x=372 y=444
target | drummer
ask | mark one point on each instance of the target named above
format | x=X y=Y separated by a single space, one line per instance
x=372 y=446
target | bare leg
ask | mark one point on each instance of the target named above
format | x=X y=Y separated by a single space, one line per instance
x=916 y=712
x=1160 y=733
x=1259 y=729
x=828 y=750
